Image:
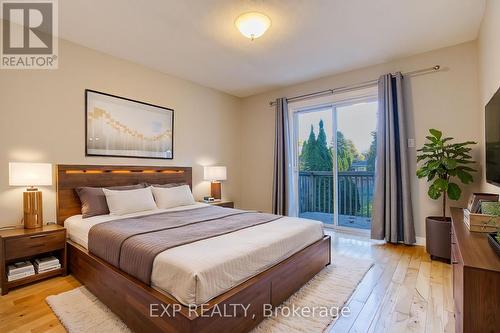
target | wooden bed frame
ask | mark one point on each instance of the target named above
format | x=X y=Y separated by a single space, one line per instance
x=145 y=309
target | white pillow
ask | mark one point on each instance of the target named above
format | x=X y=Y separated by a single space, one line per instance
x=129 y=201
x=173 y=196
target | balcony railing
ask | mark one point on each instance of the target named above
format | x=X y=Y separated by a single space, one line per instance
x=355 y=191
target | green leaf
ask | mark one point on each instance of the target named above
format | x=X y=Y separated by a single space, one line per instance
x=437 y=134
x=433 y=165
x=441 y=184
x=466 y=168
x=466 y=143
x=464 y=176
x=450 y=163
x=429 y=147
x=431 y=138
x=454 y=191
x=452 y=172
x=422 y=157
x=433 y=192
x=462 y=161
x=421 y=173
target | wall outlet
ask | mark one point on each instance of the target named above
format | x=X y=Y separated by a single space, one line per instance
x=411 y=143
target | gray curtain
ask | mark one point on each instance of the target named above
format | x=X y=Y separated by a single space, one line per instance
x=283 y=194
x=392 y=211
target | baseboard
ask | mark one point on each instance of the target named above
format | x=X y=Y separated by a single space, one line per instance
x=420 y=241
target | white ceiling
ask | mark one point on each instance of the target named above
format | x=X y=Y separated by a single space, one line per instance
x=197 y=39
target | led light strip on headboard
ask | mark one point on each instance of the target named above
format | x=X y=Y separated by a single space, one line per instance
x=123 y=171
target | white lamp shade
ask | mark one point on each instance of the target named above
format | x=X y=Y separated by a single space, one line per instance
x=215 y=173
x=252 y=25
x=30 y=174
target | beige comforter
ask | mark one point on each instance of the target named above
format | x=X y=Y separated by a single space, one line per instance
x=197 y=272
x=133 y=243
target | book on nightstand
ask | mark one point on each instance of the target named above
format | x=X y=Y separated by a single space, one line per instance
x=20 y=270
x=46 y=264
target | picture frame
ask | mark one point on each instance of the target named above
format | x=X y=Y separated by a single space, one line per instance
x=117 y=126
x=475 y=200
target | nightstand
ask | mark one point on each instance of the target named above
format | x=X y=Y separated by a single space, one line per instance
x=26 y=244
x=221 y=203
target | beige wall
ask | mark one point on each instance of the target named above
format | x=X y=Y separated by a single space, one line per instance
x=489 y=64
x=446 y=100
x=42 y=120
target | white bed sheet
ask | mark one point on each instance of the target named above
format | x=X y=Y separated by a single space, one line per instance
x=197 y=272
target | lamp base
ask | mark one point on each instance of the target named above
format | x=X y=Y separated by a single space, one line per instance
x=33 y=212
x=215 y=190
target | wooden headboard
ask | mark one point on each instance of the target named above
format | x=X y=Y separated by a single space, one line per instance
x=70 y=177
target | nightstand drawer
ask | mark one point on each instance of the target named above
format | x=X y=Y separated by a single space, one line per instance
x=31 y=245
x=226 y=204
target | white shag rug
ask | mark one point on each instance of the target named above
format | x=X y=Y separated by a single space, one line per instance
x=80 y=311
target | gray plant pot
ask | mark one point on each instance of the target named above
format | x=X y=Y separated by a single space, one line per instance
x=437 y=237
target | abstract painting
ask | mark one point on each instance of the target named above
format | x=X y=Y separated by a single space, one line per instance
x=122 y=127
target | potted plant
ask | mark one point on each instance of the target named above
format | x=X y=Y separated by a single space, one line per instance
x=444 y=164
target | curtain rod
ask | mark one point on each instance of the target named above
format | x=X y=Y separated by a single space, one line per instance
x=354 y=86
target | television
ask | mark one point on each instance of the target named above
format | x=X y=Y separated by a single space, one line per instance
x=492 y=125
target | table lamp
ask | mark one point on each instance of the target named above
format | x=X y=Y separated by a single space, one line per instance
x=215 y=174
x=31 y=175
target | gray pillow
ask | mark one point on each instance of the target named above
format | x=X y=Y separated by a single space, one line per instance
x=94 y=201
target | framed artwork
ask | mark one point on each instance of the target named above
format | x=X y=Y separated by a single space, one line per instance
x=121 y=127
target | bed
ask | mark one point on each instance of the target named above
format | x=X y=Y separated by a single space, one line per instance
x=263 y=264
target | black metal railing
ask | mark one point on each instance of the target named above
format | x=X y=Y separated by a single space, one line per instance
x=355 y=191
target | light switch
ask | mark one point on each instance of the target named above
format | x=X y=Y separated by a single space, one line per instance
x=411 y=143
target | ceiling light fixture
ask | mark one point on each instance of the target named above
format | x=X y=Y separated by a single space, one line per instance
x=252 y=25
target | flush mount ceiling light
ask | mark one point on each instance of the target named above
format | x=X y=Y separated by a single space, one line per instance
x=252 y=25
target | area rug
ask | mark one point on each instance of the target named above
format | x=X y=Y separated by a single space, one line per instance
x=322 y=298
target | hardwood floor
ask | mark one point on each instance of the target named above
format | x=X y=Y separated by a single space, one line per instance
x=403 y=291
x=25 y=310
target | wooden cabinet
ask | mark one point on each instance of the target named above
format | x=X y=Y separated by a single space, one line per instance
x=26 y=244
x=476 y=279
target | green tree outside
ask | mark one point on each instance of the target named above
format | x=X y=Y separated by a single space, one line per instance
x=316 y=155
x=371 y=154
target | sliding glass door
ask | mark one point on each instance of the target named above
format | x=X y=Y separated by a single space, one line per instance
x=356 y=126
x=335 y=162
